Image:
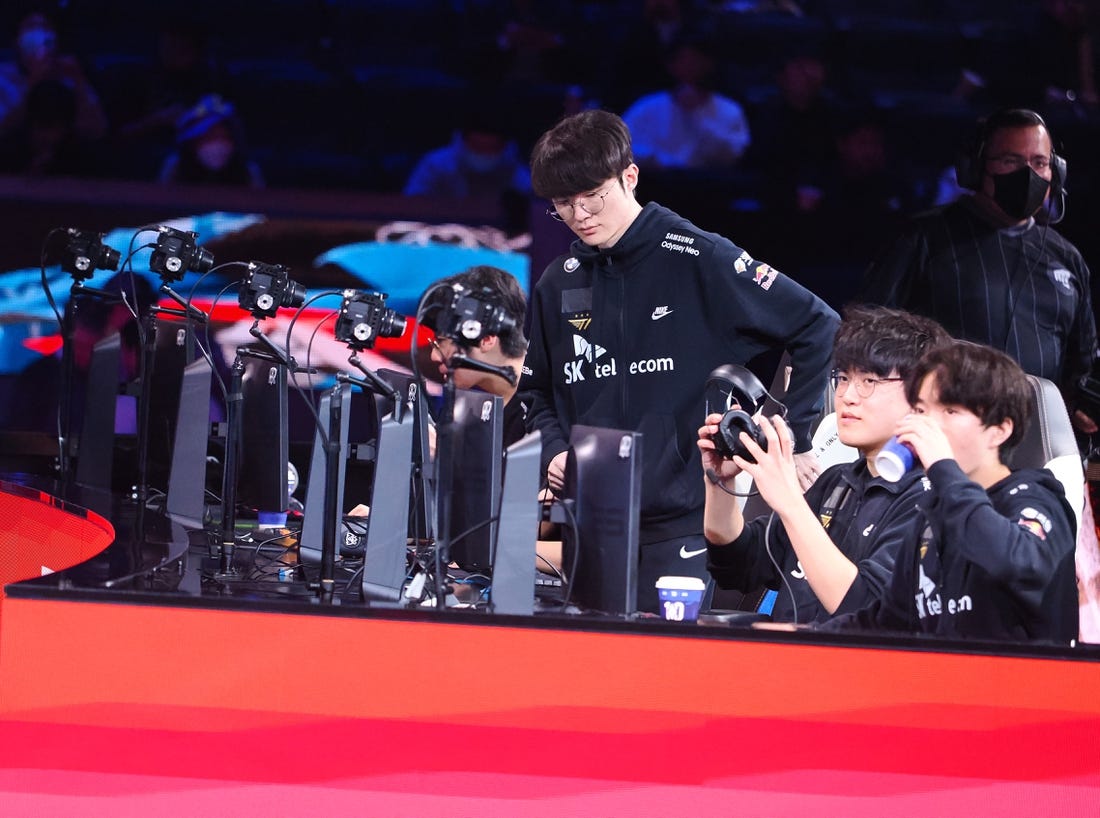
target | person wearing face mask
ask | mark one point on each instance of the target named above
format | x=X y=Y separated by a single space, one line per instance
x=38 y=58
x=210 y=148
x=991 y=268
x=480 y=163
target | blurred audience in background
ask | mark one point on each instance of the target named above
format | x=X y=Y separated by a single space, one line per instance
x=47 y=140
x=513 y=41
x=1065 y=54
x=689 y=125
x=634 y=67
x=482 y=161
x=147 y=98
x=211 y=148
x=38 y=57
x=796 y=126
x=815 y=119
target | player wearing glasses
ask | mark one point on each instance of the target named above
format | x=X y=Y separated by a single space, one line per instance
x=831 y=550
x=990 y=267
x=629 y=322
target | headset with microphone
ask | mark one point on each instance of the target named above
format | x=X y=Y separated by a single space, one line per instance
x=727 y=385
x=970 y=164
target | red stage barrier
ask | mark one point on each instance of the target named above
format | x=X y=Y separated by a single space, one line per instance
x=42 y=534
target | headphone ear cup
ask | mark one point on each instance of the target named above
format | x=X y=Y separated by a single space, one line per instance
x=728 y=440
x=730 y=383
x=968 y=162
x=964 y=171
x=1057 y=175
x=968 y=165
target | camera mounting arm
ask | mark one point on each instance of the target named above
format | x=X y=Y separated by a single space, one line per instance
x=373 y=383
x=279 y=356
x=187 y=310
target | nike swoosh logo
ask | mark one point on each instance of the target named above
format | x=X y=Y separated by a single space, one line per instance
x=689 y=554
x=661 y=312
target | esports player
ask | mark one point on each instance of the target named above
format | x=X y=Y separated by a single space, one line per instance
x=992 y=554
x=630 y=321
x=501 y=350
x=835 y=546
x=504 y=350
x=990 y=267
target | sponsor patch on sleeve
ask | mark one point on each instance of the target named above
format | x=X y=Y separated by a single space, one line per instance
x=1035 y=521
x=764 y=276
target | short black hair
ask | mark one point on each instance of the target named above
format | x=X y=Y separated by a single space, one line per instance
x=1008 y=119
x=504 y=287
x=1011 y=118
x=881 y=340
x=580 y=153
x=982 y=380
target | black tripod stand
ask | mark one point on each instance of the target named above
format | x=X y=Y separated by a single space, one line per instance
x=235 y=416
x=445 y=460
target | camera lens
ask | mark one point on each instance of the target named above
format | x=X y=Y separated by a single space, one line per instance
x=202 y=260
x=294 y=296
x=392 y=325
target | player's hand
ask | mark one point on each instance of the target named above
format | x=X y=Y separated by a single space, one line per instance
x=555 y=473
x=808 y=469
x=774 y=474
x=1084 y=424
x=712 y=461
x=927 y=440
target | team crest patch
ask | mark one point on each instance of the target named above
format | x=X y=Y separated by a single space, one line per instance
x=742 y=262
x=571 y=264
x=580 y=321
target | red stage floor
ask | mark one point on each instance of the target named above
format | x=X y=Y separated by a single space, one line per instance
x=116 y=703
x=135 y=709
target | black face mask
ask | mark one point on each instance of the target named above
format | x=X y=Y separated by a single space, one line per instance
x=1020 y=193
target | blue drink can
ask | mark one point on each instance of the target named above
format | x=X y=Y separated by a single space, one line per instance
x=894 y=460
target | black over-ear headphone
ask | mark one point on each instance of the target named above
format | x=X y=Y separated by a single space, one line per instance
x=970 y=162
x=730 y=384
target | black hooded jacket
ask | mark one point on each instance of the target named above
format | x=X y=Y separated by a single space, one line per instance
x=866 y=517
x=625 y=338
x=983 y=564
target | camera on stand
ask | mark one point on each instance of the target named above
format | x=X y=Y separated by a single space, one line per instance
x=364 y=318
x=85 y=253
x=467 y=315
x=266 y=288
x=177 y=252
